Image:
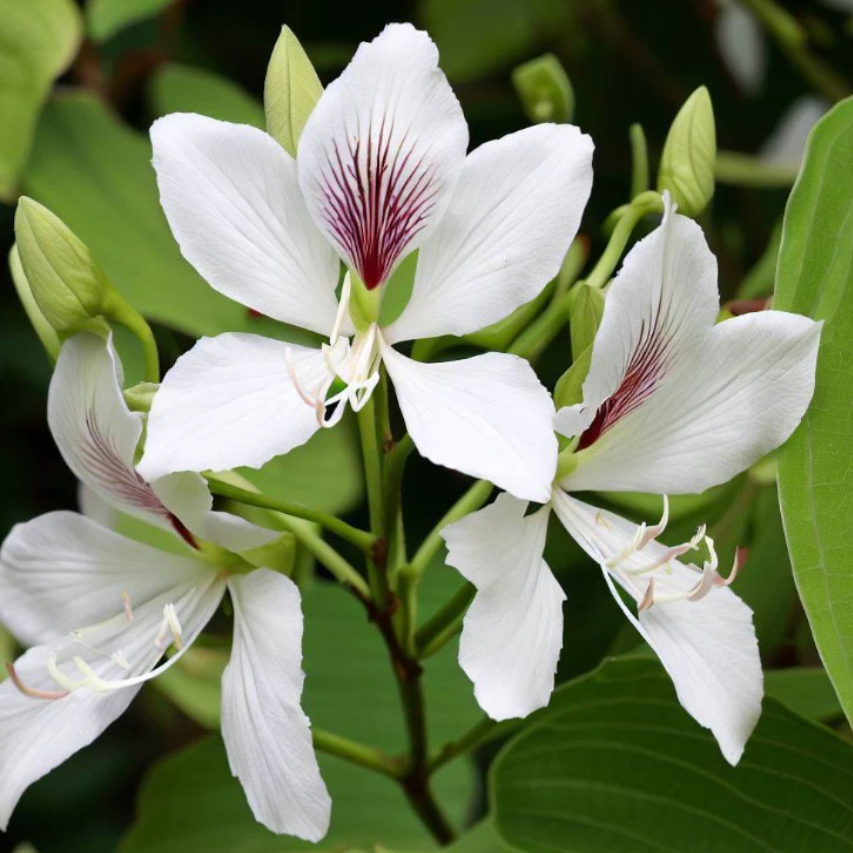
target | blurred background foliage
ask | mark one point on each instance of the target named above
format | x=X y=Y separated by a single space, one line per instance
x=79 y=87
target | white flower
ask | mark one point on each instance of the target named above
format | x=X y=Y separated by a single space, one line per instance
x=672 y=404
x=381 y=171
x=102 y=611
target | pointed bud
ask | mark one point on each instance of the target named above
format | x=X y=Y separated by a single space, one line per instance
x=586 y=316
x=67 y=285
x=569 y=388
x=140 y=397
x=48 y=337
x=291 y=91
x=545 y=90
x=687 y=162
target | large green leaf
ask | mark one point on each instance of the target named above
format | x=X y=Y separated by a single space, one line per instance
x=38 y=40
x=190 y=801
x=815 y=277
x=807 y=691
x=617 y=766
x=95 y=174
x=104 y=18
x=183 y=89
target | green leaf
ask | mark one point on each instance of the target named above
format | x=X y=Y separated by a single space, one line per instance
x=506 y=30
x=95 y=174
x=815 y=277
x=482 y=838
x=616 y=764
x=38 y=41
x=194 y=684
x=291 y=91
x=807 y=692
x=190 y=801
x=104 y=18
x=182 y=89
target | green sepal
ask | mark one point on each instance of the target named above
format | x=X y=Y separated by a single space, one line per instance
x=140 y=397
x=364 y=305
x=291 y=91
x=587 y=311
x=569 y=388
x=687 y=162
x=545 y=90
x=279 y=555
x=47 y=335
x=67 y=284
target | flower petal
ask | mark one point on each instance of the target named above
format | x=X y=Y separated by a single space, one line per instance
x=513 y=215
x=187 y=496
x=38 y=735
x=742 y=45
x=513 y=631
x=266 y=733
x=230 y=401
x=62 y=571
x=231 y=196
x=736 y=399
x=787 y=143
x=708 y=647
x=93 y=428
x=381 y=152
x=486 y=416
x=673 y=403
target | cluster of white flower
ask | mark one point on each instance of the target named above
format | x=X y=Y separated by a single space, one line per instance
x=673 y=403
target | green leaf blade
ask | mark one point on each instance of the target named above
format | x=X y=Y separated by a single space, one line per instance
x=815 y=277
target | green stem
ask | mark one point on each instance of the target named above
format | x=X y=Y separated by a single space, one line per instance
x=408 y=613
x=445 y=625
x=120 y=311
x=742 y=170
x=639 y=161
x=356 y=753
x=792 y=41
x=395 y=464
x=373 y=476
x=475 y=736
x=642 y=205
x=472 y=500
x=360 y=538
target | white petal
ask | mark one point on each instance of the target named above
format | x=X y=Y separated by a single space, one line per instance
x=62 y=571
x=38 y=735
x=787 y=143
x=187 y=496
x=660 y=305
x=266 y=733
x=95 y=431
x=382 y=150
x=708 y=647
x=513 y=215
x=741 y=42
x=673 y=403
x=93 y=506
x=231 y=196
x=738 y=397
x=513 y=631
x=228 y=402
x=486 y=416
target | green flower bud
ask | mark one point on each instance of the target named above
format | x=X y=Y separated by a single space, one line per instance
x=291 y=91
x=586 y=316
x=544 y=89
x=687 y=162
x=67 y=285
x=48 y=337
x=569 y=388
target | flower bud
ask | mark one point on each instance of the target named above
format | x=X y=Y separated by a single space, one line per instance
x=687 y=162
x=544 y=89
x=291 y=91
x=67 y=285
x=140 y=396
x=586 y=316
x=569 y=388
x=48 y=337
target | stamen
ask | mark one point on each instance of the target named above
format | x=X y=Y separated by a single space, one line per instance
x=601 y=520
x=128 y=610
x=343 y=309
x=32 y=692
x=656 y=529
x=120 y=659
x=174 y=625
x=61 y=678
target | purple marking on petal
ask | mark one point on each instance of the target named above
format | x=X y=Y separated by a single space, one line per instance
x=642 y=376
x=112 y=474
x=377 y=200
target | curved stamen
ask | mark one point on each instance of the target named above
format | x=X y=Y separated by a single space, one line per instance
x=32 y=692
